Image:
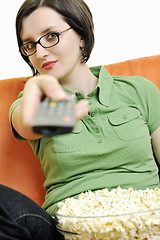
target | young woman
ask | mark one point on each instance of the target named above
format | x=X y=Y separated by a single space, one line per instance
x=116 y=141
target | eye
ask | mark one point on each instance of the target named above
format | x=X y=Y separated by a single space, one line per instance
x=52 y=36
x=29 y=46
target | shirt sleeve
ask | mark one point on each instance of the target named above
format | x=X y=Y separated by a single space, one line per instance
x=13 y=106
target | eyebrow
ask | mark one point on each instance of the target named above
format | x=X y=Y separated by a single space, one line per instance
x=43 y=32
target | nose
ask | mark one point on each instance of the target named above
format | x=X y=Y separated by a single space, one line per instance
x=41 y=51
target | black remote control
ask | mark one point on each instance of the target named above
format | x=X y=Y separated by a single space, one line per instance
x=55 y=117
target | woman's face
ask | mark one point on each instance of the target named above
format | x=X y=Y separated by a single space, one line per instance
x=60 y=60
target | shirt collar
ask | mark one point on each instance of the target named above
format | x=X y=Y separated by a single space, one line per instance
x=104 y=85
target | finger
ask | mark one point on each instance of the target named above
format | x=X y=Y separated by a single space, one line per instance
x=51 y=88
x=81 y=109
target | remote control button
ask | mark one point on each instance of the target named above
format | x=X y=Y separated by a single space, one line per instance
x=53 y=104
x=67 y=119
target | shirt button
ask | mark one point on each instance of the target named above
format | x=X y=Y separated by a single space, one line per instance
x=125 y=116
x=92 y=114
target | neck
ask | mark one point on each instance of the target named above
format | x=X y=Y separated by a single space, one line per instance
x=82 y=80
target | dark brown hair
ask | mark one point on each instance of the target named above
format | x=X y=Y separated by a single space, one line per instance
x=75 y=12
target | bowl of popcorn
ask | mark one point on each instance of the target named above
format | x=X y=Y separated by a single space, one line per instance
x=116 y=214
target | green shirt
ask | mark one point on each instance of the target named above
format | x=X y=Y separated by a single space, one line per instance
x=109 y=147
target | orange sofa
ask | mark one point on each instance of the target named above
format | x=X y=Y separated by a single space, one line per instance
x=19 y=168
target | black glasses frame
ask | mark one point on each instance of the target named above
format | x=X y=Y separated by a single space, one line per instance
x=22 y=47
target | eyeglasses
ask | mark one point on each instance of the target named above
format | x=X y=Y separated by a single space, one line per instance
x=46 y=41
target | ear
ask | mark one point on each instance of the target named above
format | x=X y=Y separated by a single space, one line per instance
x=82 y=44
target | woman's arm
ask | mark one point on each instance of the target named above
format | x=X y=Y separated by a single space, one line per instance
x=35 y=88
x=155 y=137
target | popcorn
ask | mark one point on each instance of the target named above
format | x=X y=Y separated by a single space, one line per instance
x=116 y=214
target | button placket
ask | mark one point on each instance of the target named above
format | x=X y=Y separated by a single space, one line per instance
x=91 y=118
x=95 y=128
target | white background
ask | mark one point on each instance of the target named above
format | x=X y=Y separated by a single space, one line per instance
x=124 y=29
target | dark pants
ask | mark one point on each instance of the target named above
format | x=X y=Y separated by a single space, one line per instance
x=21 y=218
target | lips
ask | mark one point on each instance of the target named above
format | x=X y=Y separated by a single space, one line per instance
x=48 y=65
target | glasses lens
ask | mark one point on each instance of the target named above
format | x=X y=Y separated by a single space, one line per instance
x=28 y=49
x=46 y=41
x=49 y=40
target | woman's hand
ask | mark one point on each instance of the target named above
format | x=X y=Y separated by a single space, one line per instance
x=35 y=88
